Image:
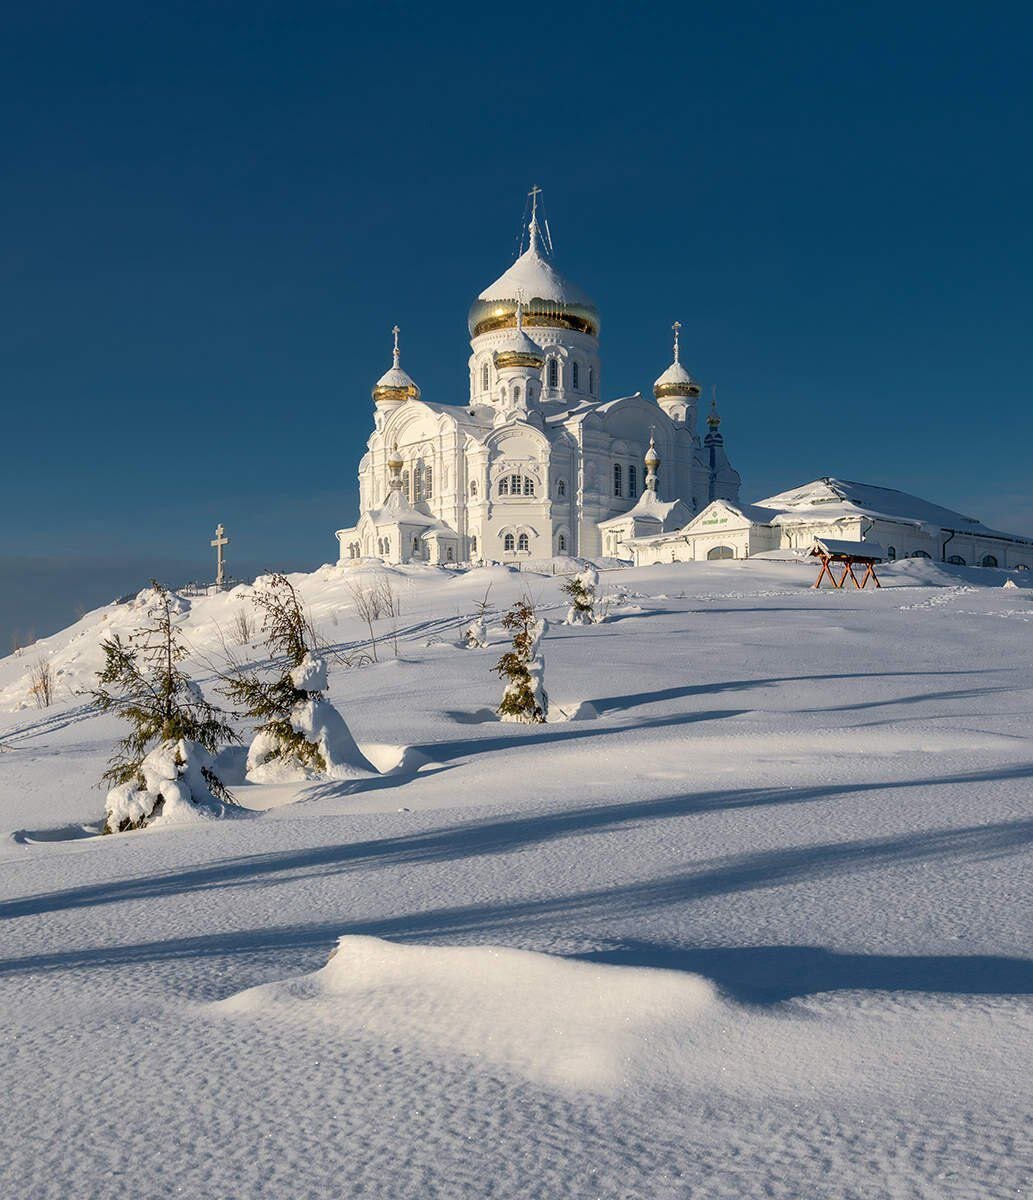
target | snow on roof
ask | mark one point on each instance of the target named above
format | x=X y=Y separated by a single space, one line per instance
x=534 y=278
x=648 y=505
x=675 y=373
x=849 y=549
x=829 y=498
x=396 y=510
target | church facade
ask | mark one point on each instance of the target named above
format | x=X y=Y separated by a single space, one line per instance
x=535 y=463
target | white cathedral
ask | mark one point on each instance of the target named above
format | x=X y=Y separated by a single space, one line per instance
x=536 y=463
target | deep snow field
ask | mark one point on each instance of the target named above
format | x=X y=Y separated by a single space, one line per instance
x=749 y=917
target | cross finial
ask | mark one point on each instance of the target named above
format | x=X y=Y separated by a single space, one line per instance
x=220 y=563
x=677 y=328
x=397 y=353
x=532 y=229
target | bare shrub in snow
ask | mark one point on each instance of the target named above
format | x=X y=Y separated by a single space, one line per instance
x=300 y=734
x=373 y=601
x=580 y=590
x=475 y=635
x=243 y=627
x=523 y=667
x=163 y=767
x=41 y=683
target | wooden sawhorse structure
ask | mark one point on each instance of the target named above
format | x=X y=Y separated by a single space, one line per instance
x=847 y=555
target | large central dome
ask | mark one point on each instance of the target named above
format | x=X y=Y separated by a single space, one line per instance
x=547 y=298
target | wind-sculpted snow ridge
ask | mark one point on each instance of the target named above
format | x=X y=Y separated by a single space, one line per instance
x=554 y=1021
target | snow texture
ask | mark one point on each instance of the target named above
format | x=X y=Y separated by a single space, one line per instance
x=751 y=921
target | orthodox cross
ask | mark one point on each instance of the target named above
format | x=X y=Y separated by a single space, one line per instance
x=676 y=327
x=396 y=331
x=218 y=542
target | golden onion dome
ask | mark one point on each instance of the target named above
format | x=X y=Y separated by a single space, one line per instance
x=394 y=459
x=652 y=458
x=516 y=349
x=675 y=381
x=548 y=300
x=395 y=384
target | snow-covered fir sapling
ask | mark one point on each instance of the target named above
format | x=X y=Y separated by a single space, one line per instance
x=580 y=590
x=475 y=635
x=163 y=767
x=299 y=734
x=523 y=667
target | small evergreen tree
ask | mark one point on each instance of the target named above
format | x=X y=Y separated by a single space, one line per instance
x=475 y=635
x=580 y=590
x=524 y=698
x=166 y=757
x=298 y=731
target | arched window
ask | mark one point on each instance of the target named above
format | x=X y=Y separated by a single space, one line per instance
x=956 y=560
x=514 y=484
x=473 y=489
x=923 y=554
x=523 y=543
x=554 y=373
x=449 y=555
x=428 y=483
x=528 y=486
x=989 y=560
x=561 y=488
x=891 y=552
x=516 y=395
x=575 y=376
x=591 y=381
x=561 y=543
x=504 y=486
x=417 y=482
x=485 y=378
x=473 y=544
x=632 y=481
x=618 y=490
x=717 y=552
x=405 y=485
x=416 y=545
x=508 y=543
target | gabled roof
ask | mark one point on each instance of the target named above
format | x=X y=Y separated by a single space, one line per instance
x=396 y=510
x=829 y=499
x=648 y=507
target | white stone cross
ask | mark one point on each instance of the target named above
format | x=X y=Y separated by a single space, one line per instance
x=218 y=542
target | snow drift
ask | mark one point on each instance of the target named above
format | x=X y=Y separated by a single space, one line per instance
x=555 y=1021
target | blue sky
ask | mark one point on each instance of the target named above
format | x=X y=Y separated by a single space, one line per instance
x=212 y=214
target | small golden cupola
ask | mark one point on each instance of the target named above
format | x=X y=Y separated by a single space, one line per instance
x=395 y=386
x=516 y=349
x=676 y=382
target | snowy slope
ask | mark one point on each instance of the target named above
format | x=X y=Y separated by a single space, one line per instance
x=749 y=917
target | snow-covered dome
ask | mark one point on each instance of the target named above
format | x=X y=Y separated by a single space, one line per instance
x=516 y=349
x=676 y=381
x=395 y=385
x=652 y=458
x=548 y=299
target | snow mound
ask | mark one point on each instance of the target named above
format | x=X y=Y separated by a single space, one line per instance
x=559 y=1022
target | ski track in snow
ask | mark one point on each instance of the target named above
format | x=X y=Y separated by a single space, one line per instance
x=750 y=917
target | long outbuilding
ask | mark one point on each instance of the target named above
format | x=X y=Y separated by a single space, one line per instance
x=903 y=525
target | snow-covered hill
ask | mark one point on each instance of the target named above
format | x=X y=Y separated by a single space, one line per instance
x=750 y=916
